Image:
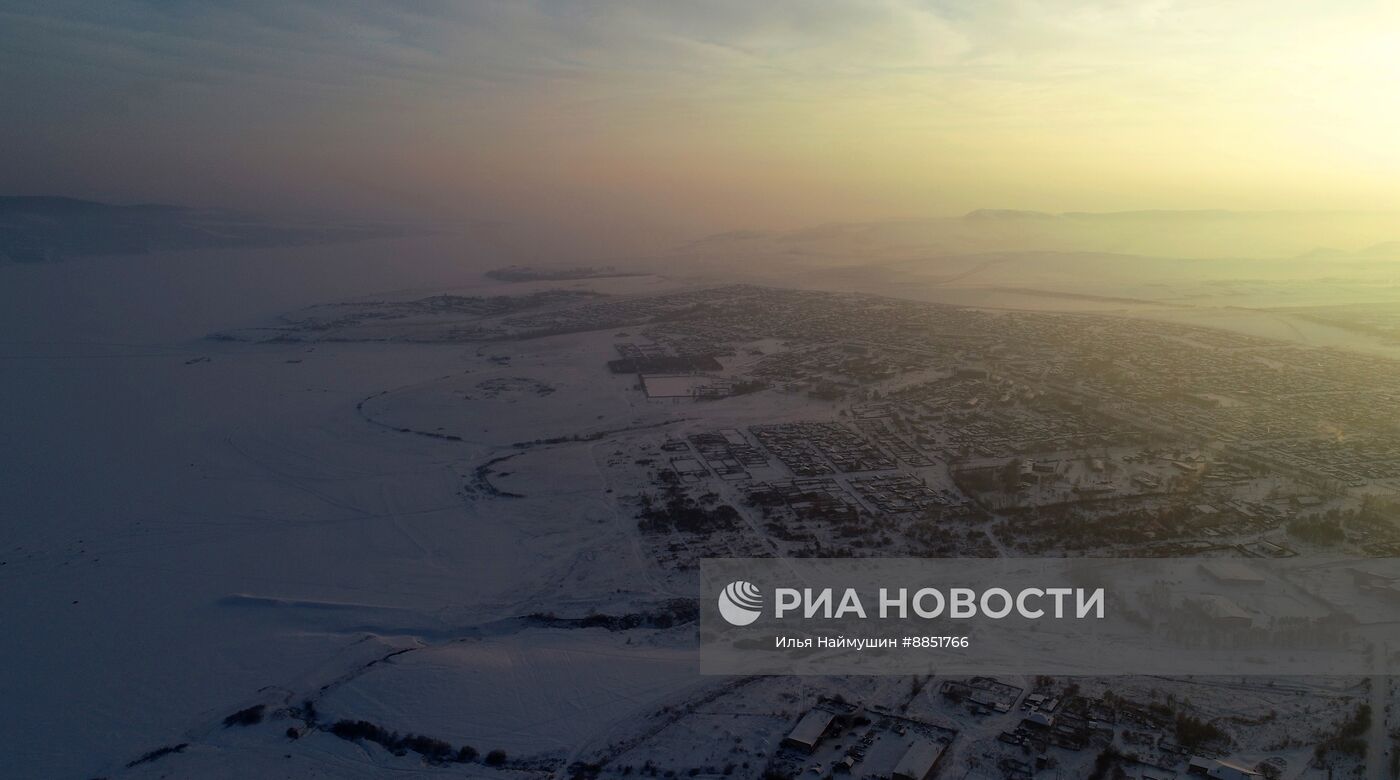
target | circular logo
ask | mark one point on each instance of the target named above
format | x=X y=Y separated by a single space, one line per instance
x=740 y=603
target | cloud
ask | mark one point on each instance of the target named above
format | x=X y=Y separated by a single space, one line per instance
x=877 y=102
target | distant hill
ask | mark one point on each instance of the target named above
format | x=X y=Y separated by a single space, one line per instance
x=53 y=205
x=1198 y=234
x=520 y=273
x=38 y=229
x=1386 y=250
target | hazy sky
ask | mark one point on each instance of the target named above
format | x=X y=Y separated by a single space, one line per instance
x=704 y=115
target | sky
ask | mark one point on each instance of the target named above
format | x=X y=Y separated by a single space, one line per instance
x=703 y=116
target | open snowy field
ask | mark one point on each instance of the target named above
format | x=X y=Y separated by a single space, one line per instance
x=437 y=537
x=191 y=524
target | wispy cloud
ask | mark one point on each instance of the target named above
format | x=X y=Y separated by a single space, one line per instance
x=466 y=102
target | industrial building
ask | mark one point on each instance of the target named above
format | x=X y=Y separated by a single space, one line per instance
x=919 y=760
x=808 y=731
